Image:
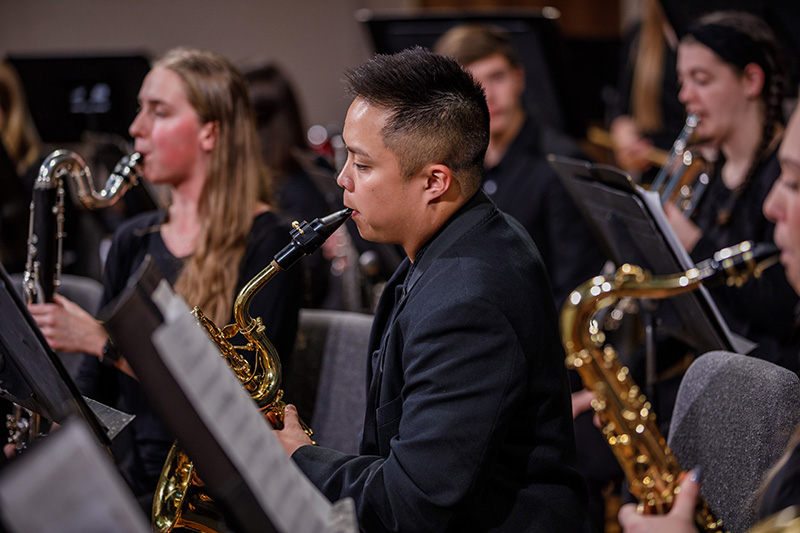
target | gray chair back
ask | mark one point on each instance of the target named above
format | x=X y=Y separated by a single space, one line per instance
x=733 y=417
x=328 y=372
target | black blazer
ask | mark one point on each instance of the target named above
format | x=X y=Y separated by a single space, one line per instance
x=468 y=424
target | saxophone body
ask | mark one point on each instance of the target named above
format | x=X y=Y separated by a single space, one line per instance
x=627 y=420
x=180 y=500
x=42 y=275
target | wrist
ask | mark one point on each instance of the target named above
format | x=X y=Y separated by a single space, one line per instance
x=109 y=355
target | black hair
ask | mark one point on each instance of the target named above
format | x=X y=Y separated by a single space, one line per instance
x=438 y=111
x=278 y=117
x=740 y=38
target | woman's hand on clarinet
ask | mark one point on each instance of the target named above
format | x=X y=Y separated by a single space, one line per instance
x=680 y=518
x=68 y=328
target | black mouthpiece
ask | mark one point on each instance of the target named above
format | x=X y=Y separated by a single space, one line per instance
x=307 y=237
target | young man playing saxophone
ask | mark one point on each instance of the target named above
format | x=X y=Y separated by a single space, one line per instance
x=468 y=424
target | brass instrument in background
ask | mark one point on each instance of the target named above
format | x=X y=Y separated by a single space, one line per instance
x=602 y=138
x=628 y=423
x=682 y=179
x=42 y=275
x=178 y=487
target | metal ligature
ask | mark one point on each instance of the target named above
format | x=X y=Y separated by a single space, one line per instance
x=42 y=275
x=180 y=500
x=627 y=420
x=683 y=178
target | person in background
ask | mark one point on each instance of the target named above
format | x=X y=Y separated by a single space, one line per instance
x=467 y=425
x=304 y=184
x=19 y=152
x=731 y=75
x=647 y=114
x=522 y=183
x=195 y=132
x=518 y=177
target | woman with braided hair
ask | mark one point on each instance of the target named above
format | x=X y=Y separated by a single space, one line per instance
x=731 y=74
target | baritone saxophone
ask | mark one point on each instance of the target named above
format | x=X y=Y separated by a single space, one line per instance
x=627 y=420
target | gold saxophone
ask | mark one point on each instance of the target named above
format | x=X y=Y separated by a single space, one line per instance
x=178 y=487
x=628 y=422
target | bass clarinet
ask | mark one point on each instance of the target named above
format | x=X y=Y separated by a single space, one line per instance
x=42 y=275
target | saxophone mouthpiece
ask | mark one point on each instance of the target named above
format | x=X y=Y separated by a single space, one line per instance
x=308 y=237
x=735 y=264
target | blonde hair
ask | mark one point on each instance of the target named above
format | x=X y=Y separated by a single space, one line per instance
x=18 y=133
x=648 y=75
x=235 y=182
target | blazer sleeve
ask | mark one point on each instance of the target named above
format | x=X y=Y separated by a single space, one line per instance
x=463 y=369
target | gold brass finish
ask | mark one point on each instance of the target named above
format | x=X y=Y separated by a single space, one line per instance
x=627 y=421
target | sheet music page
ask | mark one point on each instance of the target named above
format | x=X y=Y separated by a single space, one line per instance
x=68 y=483
x=291 y=501
x=653 y=202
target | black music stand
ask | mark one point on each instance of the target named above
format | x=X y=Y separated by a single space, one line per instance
x=83 y=93
x=219 y=426
x=32 y=375
x=630 y=226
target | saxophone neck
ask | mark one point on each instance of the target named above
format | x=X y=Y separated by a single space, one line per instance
x=307 y=238
x=241 y=306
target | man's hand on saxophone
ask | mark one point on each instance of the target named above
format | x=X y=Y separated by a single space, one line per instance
x=292 y=436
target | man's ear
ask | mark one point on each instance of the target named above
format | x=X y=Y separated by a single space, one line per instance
x=209 y=132
x=754 y=79
x=439 y=180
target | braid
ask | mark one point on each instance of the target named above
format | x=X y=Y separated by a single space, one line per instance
x=773 y=102
x=739 y=39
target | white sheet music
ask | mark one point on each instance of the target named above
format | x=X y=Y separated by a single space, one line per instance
x=68 y=483
x=653 y=202
x=291 y=501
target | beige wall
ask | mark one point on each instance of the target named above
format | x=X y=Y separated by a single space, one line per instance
x=314 y=40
